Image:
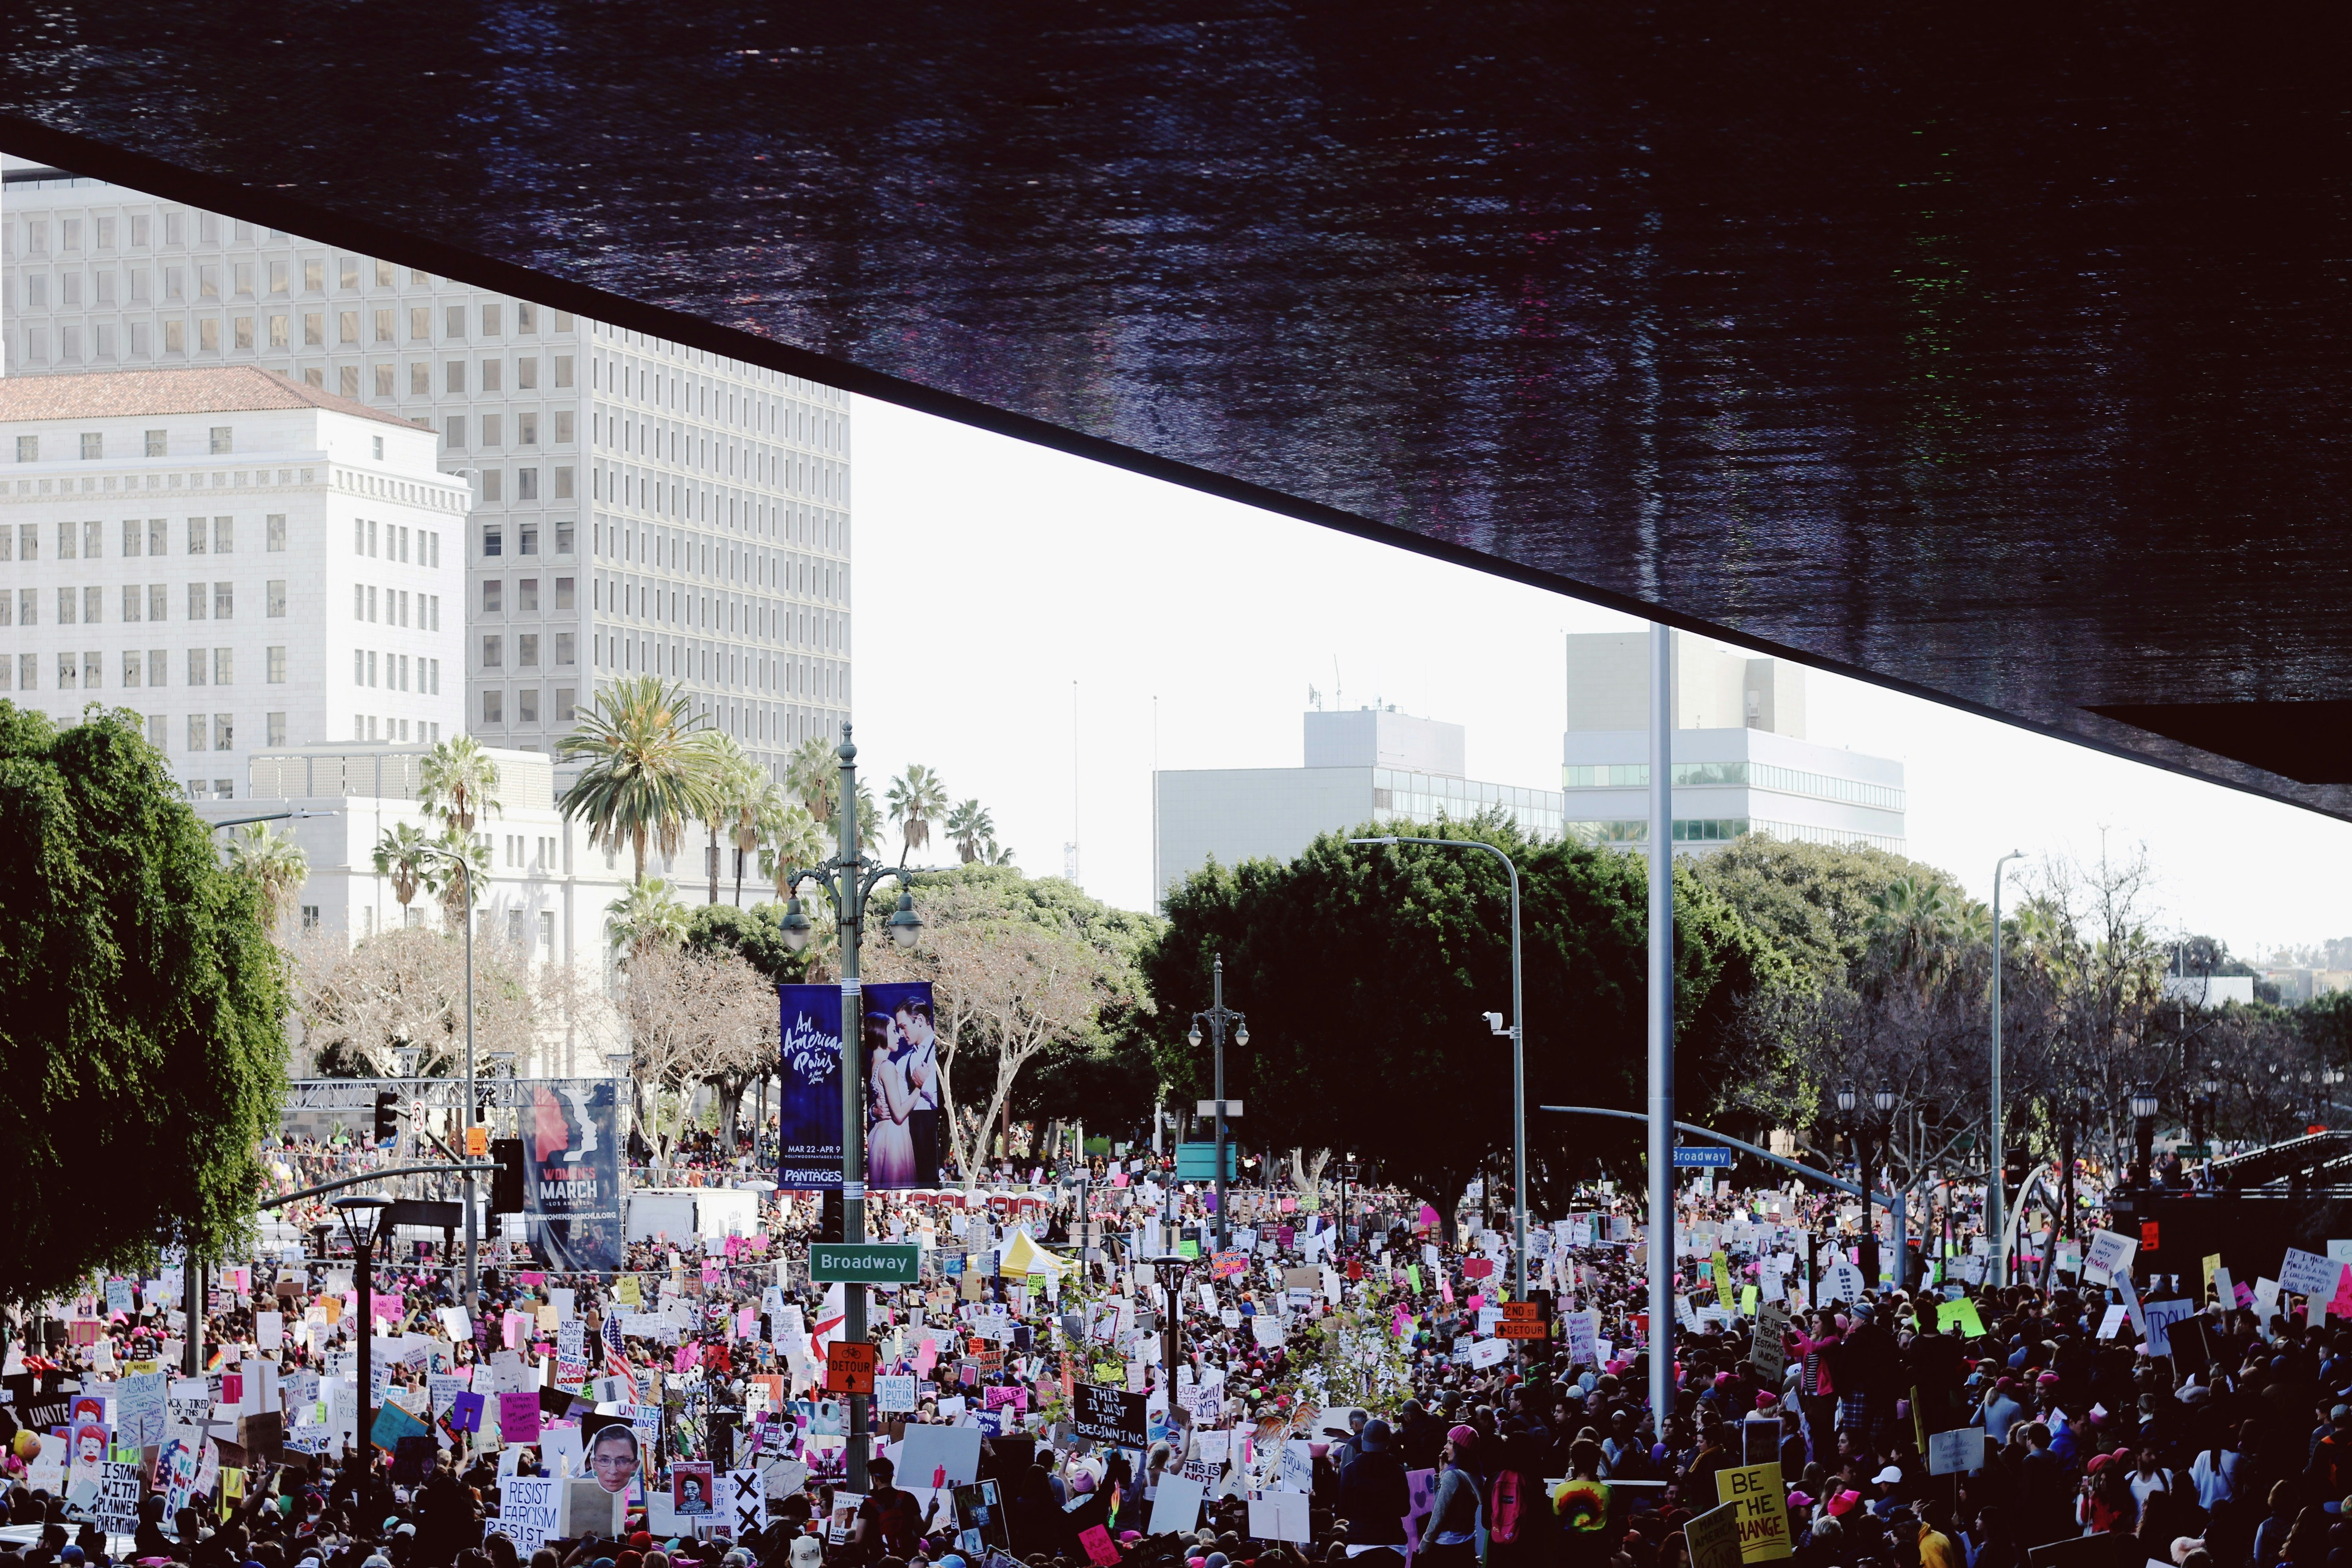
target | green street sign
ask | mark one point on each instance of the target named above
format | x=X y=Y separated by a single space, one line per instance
x=2195 y=1151
x=863 y=1262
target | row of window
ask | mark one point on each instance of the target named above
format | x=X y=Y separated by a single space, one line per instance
x=526 y=595
x=1758 y=775
x=218 y=439
x=86 y=541
x=492 y=485
x=396 y=671
x=1723 y=830
x=527 y=534
x=396 y=541
x=566 y=651
x=676 y=549
x=141 y=602
x=387 y=727
x=527 y=705
x=397 y=605
x=141 y=668
x=492 y=428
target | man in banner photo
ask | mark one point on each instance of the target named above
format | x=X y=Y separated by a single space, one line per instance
x=898 y=1058
x=572 y=1159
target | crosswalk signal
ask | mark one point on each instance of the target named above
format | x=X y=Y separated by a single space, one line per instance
x=507 y=1183
x=387 y=1116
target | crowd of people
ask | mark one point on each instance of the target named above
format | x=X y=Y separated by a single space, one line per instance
x=1304 y=1384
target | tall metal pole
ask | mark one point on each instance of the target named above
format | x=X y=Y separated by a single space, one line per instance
x=1662 y=1027
x=366 y=1347
x=852 y=907
x=1993 y=1175
x=1217 y=1033
x=192 y=1360
x=1518 y=1100
x=473 y=1113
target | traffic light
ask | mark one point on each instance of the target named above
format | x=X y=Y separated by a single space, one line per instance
x=387 y=1116
x=829 y=1217
x=507 y=1184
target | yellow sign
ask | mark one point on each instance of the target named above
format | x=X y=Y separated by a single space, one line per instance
x=2213 y=1263
x=1763 y=1512
x=1723 y=1283
x=627 y=1291
x=478 y=1143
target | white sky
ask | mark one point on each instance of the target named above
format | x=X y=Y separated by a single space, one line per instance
x=992 y=575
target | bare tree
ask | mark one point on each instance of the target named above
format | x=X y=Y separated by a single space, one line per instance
x=405 y=989
x=691 y=1015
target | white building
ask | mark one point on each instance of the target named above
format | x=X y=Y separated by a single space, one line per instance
x=1742 y=763
x=246 y=561
x=1369 y=765
x=547 y=891
x=639 y=506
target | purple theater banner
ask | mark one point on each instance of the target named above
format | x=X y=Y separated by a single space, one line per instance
x=899 y=1050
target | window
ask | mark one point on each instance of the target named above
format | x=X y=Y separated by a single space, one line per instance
x=133 y=597
x=455 y=438
x=563 y=370
x=67 y=602
x=274 y=598
x=200 y=664
x=528 y=535
x=379 y=448
x=28 y=448
x=456 y=376
x=527 y=705
x=199 y=596
x=565 y=644
x=241 y=332
x=309 y=911
x=491 y=375
x=493 y=540
x=314 y=329
x=221 y=443
x=276 y=675
x=493 y=595
x=420 y=324
x=274 y=728
x=223 y=739
x=273 y=532
x=493 y=429
x=456 y=325
x=224 y=666
x=159 y=530
x=314 y=275
x=93 y=674
x=68 y=671
x=347 y=380
x=493 y=484
x=563 y=482
x=93 y=445
x=526 y=484
x=199 y=535
x=347 y=326
x=527 y=373
x=157 y=446
x=93 y=544
x=198 y=734
x=175 y=334
x=527 y=650
x=489 y=321
x=348 y=272
x=68 y=534
x=223 y=535
x=93 y=605
x=384 y=274
x=383 y=380
x=133 y=668
x=158 y=601
x=494 y=708
x=420 y=379
x=564 y=432
x=566 y=703
x=526 y=429
x=563 y=593
x=208 y=280
x=242 y=272
x=278 y=329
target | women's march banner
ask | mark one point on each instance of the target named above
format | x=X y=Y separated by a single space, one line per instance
x=900 y=1053
x=572 y=1163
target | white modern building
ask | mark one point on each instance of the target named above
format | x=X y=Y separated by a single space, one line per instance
x=547 y=891
x=1742 y=763
x=1366 y=765
x=246 y=561
x=638 y=507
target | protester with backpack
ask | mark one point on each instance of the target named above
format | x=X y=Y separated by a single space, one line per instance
x=1519 y=1522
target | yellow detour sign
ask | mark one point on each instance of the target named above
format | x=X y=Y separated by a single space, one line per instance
x=1714 y=1537
x=1763 y=1511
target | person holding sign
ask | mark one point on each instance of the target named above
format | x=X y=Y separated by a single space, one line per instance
x=1453 y=1521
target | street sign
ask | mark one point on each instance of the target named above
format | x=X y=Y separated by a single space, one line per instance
x=863 y=1262
x=1198 y=1162
x=849 y=1367
x=1702 y=1154
x=1209 y=1107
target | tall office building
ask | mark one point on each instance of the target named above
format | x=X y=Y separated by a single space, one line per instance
x=636 y=506
x=1742 y=763
x=238 y=557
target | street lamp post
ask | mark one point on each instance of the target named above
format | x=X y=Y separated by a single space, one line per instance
x=1883 y=1100
x=848 y=881
x=2143 y=1110
x=1519 y=1056
x=1993 y=1195
x=363 y=1217
x=1868 y=1249
x=1219 y=1017
x=473 y=1107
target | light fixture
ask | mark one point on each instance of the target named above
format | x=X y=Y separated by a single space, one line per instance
x=796 y=928
x=361 y=1214
x=1193 y=1039
x=1883 y=1100
x=905 y=924
x=2212 y=1086
x=1845 y=1098
x=2144 y=1104
x=1241 y=1033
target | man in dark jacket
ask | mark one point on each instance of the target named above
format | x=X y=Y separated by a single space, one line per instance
x=1373 y=1499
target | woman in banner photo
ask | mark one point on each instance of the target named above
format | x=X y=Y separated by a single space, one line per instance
x=889 y=1143
x=613 y=1456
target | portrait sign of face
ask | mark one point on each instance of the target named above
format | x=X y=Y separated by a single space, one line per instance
x=613 y=1456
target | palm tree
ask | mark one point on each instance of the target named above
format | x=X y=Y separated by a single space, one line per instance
x=647 y=913
x=969 y=826
x=992 y=854
x=459 y=782
x=649 y=770
x=405 y=855
x=451 y=886
x=758 y=813
x=869 y=819
x=274 y=863
x=814 y=773
x=736 y=783
x=795 y=842
x=917 y=796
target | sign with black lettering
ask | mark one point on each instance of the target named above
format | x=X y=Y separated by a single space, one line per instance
x=1107 y=1415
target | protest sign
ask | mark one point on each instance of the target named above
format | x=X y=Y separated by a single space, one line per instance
x=1714 y=1537
x=2109 y=1256
x=1106 y=1414
x=527 y=1510
x=1763 y=1512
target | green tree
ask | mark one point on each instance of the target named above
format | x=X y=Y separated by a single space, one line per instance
x=647 y=915
x=453 y=888
x=650 y=767
x=275 y=865
x=458 y=782
x=756 y=935
x=1814 y=902
x=970 y=828
x=814 y=773
x=405 y=855
x=733 y=801
x=916 y=799
x=142 y=1015
x=1365 y=972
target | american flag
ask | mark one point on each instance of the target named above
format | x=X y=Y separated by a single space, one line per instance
x=617 y=1350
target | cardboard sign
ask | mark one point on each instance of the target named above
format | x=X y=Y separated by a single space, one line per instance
x=1763 y=1516
x=1957 y=1453
x=2110 y=1256
x=1714 y=1538
x=1107 y=1415
x=2308 y=1274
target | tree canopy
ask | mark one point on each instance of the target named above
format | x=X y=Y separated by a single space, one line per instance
x=1365 y=972
x=141 y=1021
